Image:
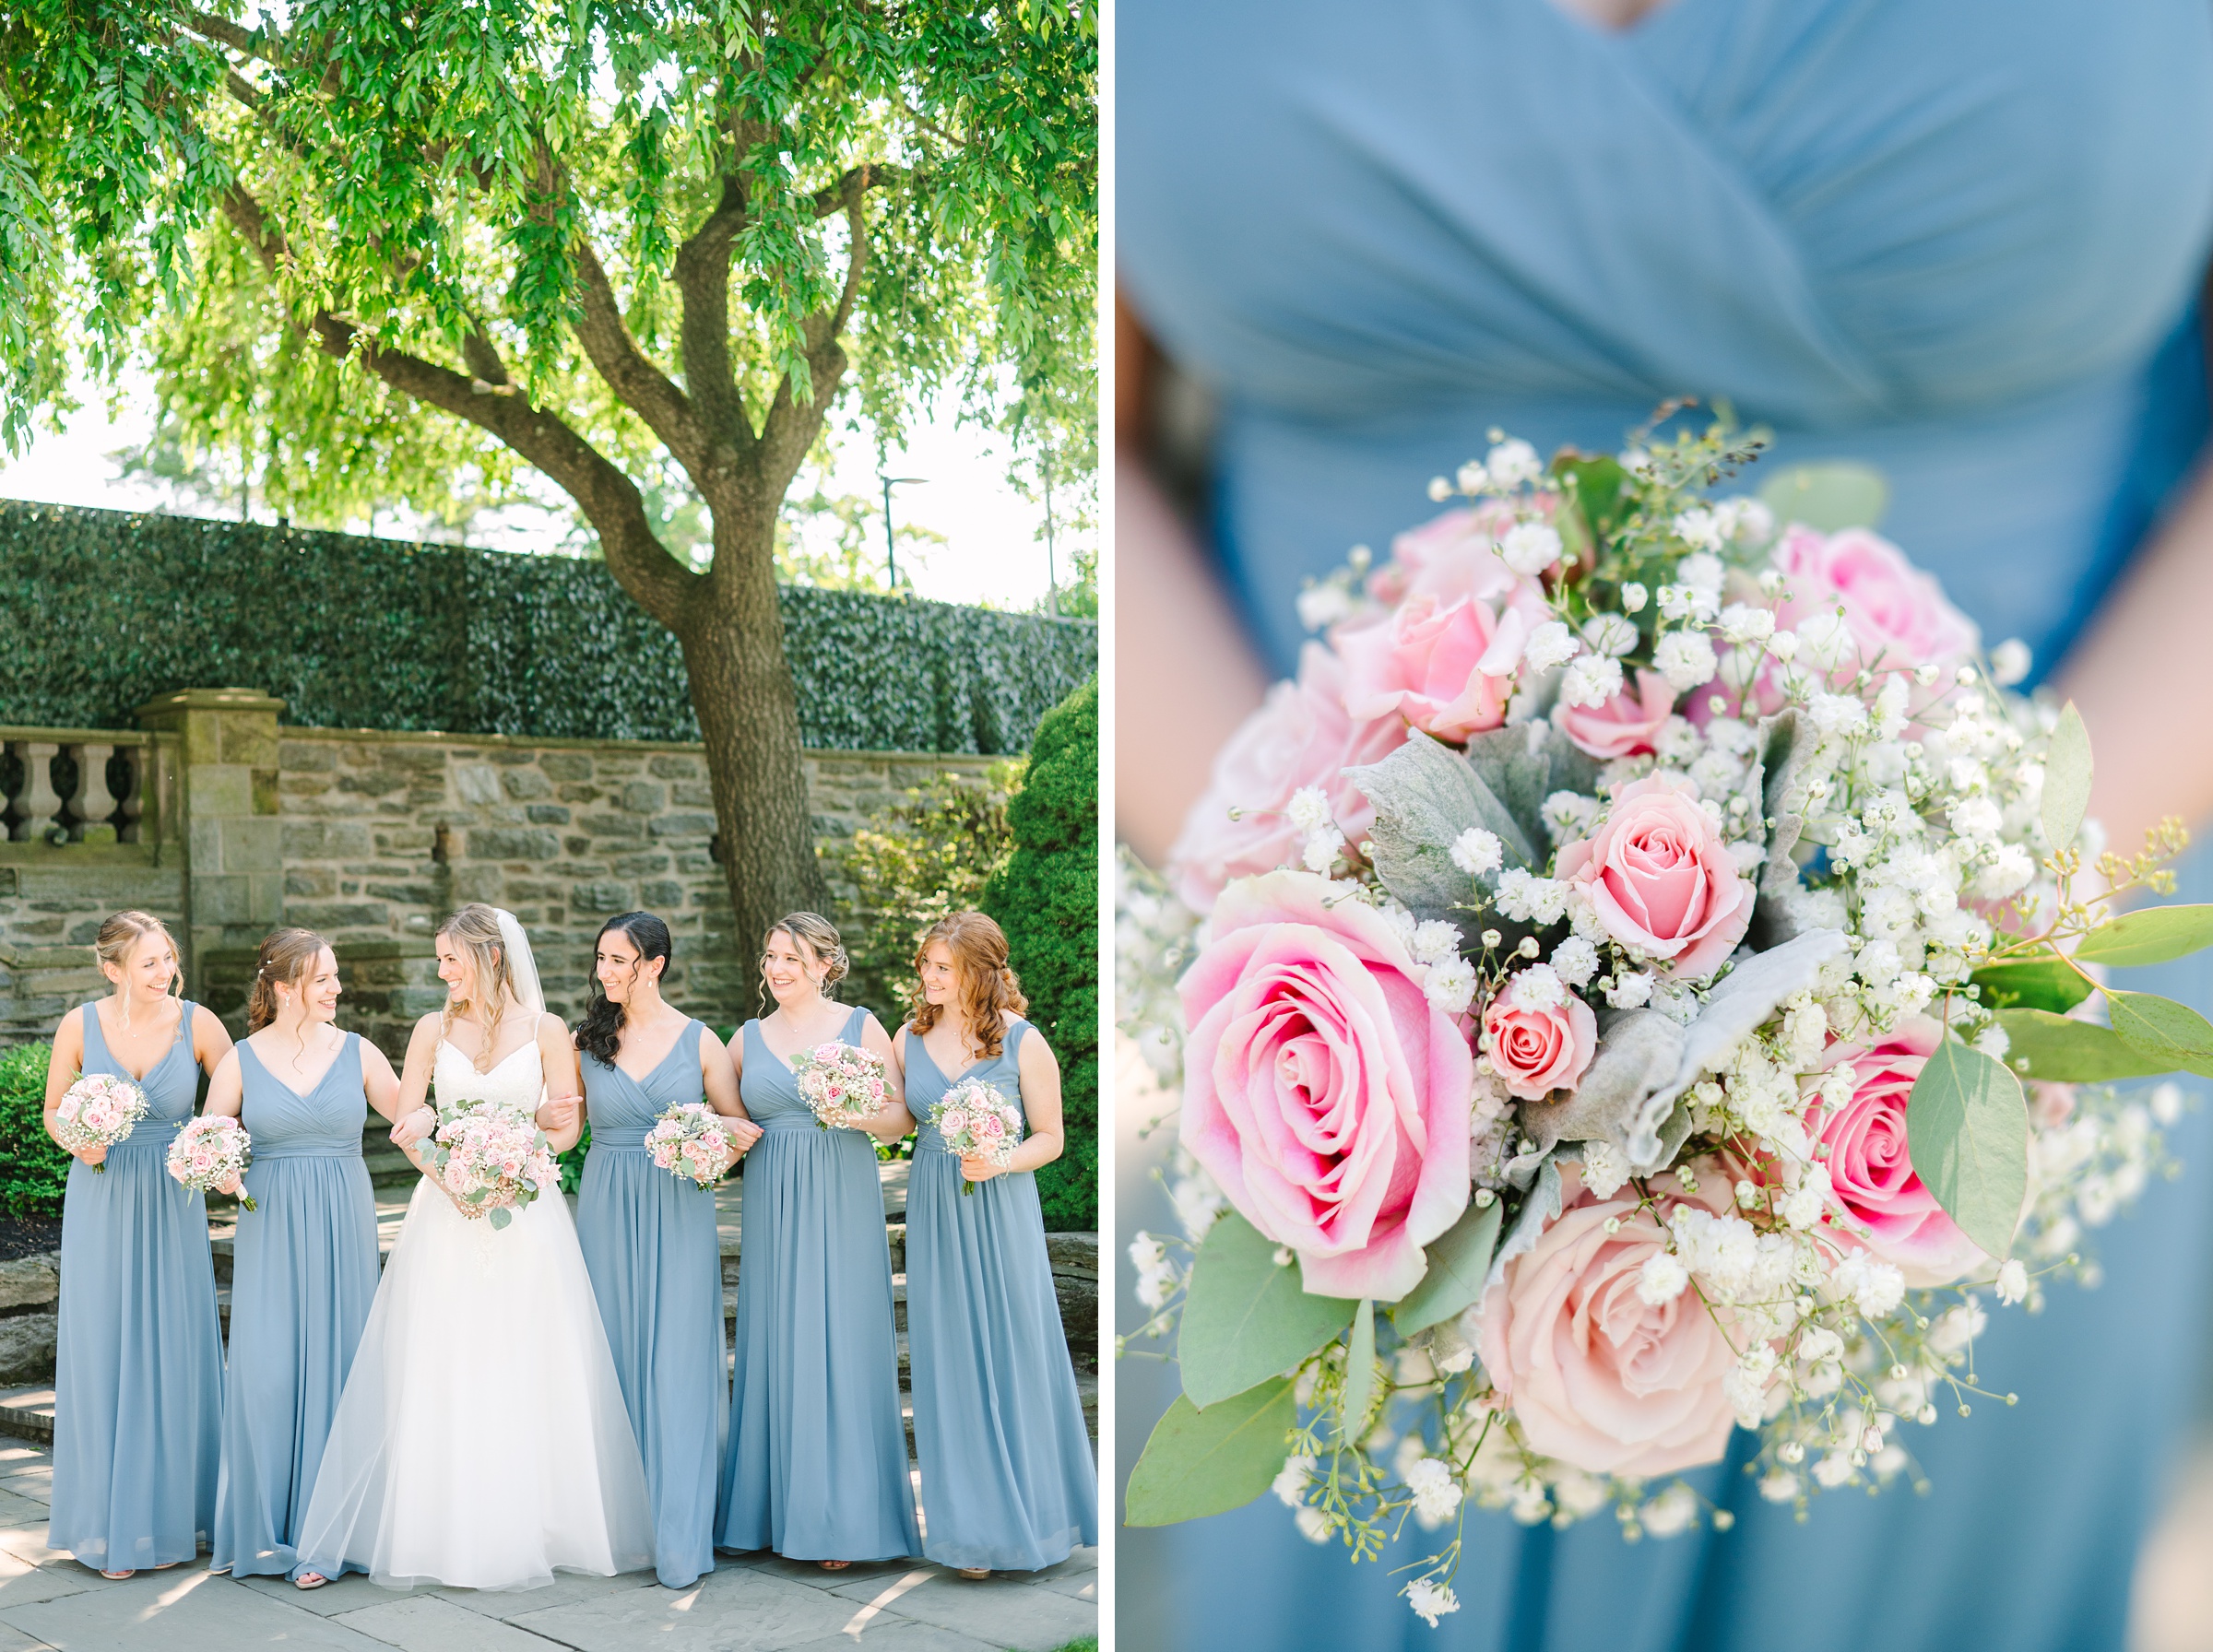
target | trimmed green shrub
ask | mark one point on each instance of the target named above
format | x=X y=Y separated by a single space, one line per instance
x=353 y=632
x=34 y=1173
x=1046 y=899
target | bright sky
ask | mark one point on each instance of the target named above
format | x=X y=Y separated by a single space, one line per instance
x=991 y=553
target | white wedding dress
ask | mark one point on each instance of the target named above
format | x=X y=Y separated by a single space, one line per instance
x=482 y=1440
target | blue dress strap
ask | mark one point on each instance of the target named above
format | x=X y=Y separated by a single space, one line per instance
x=856 y=1025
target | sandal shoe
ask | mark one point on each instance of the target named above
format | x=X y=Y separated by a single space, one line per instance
x=309 y=1580
x=973 y=1574
x=833 y=1566
x=118 y=1577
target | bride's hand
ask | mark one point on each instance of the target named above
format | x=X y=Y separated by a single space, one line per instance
x=415 y=1126
x=559 y=1113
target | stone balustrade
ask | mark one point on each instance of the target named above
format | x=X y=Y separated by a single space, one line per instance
x=75 y=785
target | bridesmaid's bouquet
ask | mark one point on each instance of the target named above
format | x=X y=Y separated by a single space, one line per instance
x=1643 y=979
x=844 y=1085
x=211 y=1154
x=688 y=1142
x=493 y=1160
x=99 y=1110
x=977 y=1121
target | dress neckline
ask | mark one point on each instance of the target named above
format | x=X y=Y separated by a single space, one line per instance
x=107 y=1045
x=298 y=1095
x=503 y=1061
x=674 y=1044
x=761 y=1031
x=951 y=1080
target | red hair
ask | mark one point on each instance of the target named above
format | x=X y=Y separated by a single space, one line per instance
x=987 y=989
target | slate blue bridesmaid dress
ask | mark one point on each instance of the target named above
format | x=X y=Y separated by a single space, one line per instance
x=302 y=1279
x=138 y=1360
x=656 y=1260
x=1007 y=1476
x=1958 y=240
x=816 y=1467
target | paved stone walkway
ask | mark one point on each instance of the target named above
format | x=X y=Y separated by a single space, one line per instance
x=755 y=1603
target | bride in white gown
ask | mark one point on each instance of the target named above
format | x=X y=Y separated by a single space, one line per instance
x=482 y=1440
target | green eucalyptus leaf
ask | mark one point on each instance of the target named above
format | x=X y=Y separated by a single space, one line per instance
x=1967 y=1128
x=1829 y=497
x=2174 y=1034
x=2060 y=1050
x=2034 y=983
x=1200 y=1463
x=1425 y=795
x=2067 y=778
x=2152 y=935
x=1360 y=1372
x=1246 y=1319
x=1458 y=1259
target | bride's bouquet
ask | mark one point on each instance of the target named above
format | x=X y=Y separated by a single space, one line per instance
x=688 y=1142
x=976 y=1121
x=492 y=1159
x=211 y=1154
x=99 y=1110
x=1645 y=983
x=842 y=1084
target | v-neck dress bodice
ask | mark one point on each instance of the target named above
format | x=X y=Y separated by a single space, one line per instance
x=654 y=1253
x=139 y=1356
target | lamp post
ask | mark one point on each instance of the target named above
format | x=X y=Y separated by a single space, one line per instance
x=891 y=554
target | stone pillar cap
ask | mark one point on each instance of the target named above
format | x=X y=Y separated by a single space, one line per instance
x=208 y=699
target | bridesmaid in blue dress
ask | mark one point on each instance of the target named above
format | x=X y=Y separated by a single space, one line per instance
x=1007 y=1477
x=138 y=1363
x=1959 y=240
x=305 y=1268
x=649 y=1237
x=817 y=1462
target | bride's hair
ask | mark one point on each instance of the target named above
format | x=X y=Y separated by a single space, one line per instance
x=599 y=1034
x=814 y=935
x=985 y=988
x=287 y=956
x=474 y=932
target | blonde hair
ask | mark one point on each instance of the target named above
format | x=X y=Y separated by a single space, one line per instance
x=286 y=955
x=474 y=932
x=118 y=936
x=987 y=987
x=814 y=934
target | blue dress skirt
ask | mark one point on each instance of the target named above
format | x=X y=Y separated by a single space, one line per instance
x=817 y=1462
x=1007 y=1475
x=1870 y=225
x=650 y=1242
x=139 y=1364
x=302 y=1283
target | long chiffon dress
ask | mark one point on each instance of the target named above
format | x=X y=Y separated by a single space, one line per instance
x=817 y=1462
x=302 y=1282
x=1007 y=1476
x=1958 y=240
x=655 y=1261
x=138 y=1363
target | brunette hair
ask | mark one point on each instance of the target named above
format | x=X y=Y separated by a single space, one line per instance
x=474 y=932
x=812 y=932
x=599 y=1034
x=987 y=987
x=286 y=955
x=118 y=936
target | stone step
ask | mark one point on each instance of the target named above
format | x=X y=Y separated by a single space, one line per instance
x=28 y=1413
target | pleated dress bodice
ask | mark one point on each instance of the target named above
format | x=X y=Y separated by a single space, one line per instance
x=1008 y=1477
x=652 y=1245
x=138 y=1358
x=817 y=1464
x=304 y=1279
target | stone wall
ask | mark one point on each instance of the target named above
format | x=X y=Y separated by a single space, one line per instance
x=373 y=837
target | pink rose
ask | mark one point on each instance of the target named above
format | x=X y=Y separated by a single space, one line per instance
x=1322 y=1090
x=1426 y=663
x=1895 y=616
x=1627 y=725
x=1300 y=737
x=990 y=1127
x=1598 y=1377
x=1663 y=880
x=1449 y=557
x=1539 y=1051
x=1871 y=1166
x=953 y=1123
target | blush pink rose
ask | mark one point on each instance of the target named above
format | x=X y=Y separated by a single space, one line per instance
x=1322 y=1091
x=1895 y=617
x=1539 y=1051
x=1451 y=557
x=1871 y=1165
x=1663 y=880
x=1627 y=725
x=1424 y=661
x=1598 y=1377
x=1300 y=737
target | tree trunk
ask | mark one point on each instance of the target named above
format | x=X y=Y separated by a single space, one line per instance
x=748 y=716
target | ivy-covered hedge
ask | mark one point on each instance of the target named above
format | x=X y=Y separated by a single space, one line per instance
x=34 y=1173
x=1046 y=899
x=368 y=633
